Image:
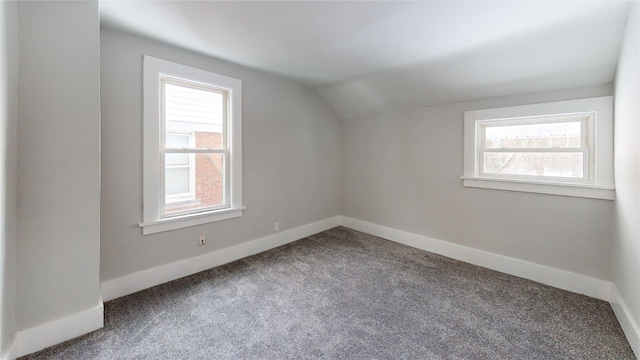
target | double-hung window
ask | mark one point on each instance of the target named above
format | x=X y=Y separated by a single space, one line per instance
x=561 y=148
x=540 y=148
x=192 y=146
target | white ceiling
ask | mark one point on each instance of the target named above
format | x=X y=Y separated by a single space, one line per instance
x=365 y=57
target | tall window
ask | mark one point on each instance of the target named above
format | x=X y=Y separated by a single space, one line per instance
x=192 y=146
x=561 y=148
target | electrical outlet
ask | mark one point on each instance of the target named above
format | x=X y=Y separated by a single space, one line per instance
x=201 y=241
x=276 y=226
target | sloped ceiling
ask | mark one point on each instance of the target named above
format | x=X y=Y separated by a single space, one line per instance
x=366 y=57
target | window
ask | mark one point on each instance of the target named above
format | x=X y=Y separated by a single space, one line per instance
x=192 y=146
x=561 y=148
x=546 y=147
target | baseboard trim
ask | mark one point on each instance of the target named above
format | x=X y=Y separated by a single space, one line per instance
x=8 y=352
x=561 y=279
x=129 y=284
x=39 y=337
x=629 y=326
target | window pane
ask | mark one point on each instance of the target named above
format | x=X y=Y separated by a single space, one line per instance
x=568 y=165
x=177 y=181
x=177 y=159
x=549 y=135
x=207 y=186
x=178 y=141
x=198 y=111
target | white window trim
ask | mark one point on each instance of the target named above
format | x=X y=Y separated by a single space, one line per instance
x=153 y=192
x=599 y=184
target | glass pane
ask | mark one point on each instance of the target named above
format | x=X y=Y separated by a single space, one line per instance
x=178 y=141
x=549 y=135
x=177 y=159
x=206 y=189
x=177 y=181
x=568 y=165
x=196 y=111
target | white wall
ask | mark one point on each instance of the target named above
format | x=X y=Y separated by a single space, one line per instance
x=291 y=159
x=402 y=170
x=626 y=241
x=8 y=168
x=58 y=161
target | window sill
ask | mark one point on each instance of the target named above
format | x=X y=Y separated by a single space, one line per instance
x=585 y=191
x=179 y=222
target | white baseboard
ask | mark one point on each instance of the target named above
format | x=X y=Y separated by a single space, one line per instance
x=7 y=353
x=128 y=284
x=39 y=337
x=629 y=326
x=562 y=279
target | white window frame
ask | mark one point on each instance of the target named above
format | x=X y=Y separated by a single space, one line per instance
x=596 y=115
x=154 y=220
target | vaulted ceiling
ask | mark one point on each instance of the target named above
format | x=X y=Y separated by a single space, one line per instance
x=365 y=57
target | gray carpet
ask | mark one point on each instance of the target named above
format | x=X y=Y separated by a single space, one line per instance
x=342 y=294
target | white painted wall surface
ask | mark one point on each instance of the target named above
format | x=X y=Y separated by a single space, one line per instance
x=291 y=159
x=626 y=244
x=8 y=168
x=402 y=170
x=58 y=250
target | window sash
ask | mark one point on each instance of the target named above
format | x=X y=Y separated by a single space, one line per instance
x=173 y=80
x=192 y=150
x=542 y=178
x=166 y=199
x=586 y=123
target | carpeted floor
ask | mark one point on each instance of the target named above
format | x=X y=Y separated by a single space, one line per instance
x=342 y=294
